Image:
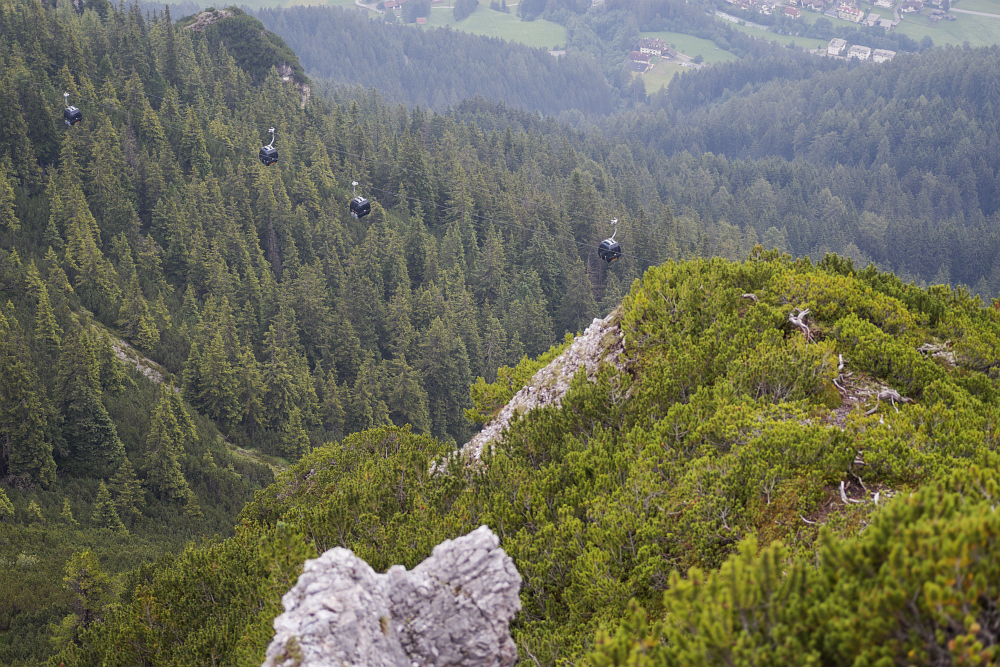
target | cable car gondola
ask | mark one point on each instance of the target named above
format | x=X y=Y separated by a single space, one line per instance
x=268 y=154
x=71 y=115
x=360 y=207
x=610 y=250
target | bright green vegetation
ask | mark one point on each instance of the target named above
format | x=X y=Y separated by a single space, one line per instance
x=705 y=453
x=490 y=23
x=692 y=46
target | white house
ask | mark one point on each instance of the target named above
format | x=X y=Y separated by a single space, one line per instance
x=859 y=52
x=836 y=46
x=882 y=55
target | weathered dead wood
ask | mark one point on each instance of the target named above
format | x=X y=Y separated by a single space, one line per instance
x=798 y=319
x=843 y=495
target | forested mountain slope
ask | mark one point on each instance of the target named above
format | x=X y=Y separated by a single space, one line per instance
x=437 y=69
x=286 y=324
x=893 y=162
x=863 y=439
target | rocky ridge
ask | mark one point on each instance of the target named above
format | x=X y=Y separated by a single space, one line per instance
x=600 y=342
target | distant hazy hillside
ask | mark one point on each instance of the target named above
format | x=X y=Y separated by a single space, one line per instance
x=437 y=68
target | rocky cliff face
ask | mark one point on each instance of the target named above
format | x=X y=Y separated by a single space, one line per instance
x=451 y=609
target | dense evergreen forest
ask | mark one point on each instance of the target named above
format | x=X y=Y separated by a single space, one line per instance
x=283 y=330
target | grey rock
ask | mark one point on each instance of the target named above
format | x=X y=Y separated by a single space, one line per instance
x=451 y=609
x=601 y=342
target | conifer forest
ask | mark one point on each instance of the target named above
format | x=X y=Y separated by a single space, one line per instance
x=210 y=370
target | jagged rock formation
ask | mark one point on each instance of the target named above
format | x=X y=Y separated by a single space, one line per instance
x=451 y=609
x=602 y=341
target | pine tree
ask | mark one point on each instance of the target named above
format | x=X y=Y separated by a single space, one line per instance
x=35 y=512
x=135 y=319
x=332 y=407
x=193 y=152
x=67 y=514
x=219 y=382
x=192 y=509
x=6 y=507
x=105 y=515
x=164 y=448
x=127 y=490
x=8 y=219
x=92 y=589
x=26 y=450
x=577 y=308
x=294 y=441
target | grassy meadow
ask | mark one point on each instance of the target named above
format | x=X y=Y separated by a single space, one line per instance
x=976 y=30
x=485 y=21
x=692 y=46
x=988 y=6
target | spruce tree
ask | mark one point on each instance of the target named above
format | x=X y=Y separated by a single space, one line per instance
x=127 y=491
x=192 y=509
x=6 y=507
x=294 y=441
x=24 y=443
x=91 y=587
x=93 y=439
x=35 y=514
x=165 y=445
x=67 y=514
x=8 y=218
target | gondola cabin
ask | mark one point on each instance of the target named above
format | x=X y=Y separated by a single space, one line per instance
x=609 y=250
x=268 y=155
x=360 y=207
x=72 y=116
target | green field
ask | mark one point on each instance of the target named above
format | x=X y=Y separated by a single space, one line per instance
x=693 y=46
x=661 y=75
x=988 y=6
x=784 y=40
x=485 y=21
x=260 y=4
x=976 y=30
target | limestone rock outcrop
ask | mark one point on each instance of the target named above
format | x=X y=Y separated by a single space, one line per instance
x=601 y=341
x=451 y=609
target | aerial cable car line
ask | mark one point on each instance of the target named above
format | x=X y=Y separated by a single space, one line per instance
x=269 y=161
x=618 y=252
x=359 y=209
x=204 y=113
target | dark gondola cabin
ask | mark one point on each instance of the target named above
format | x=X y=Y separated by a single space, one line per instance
x=360 y=207
x=609 y=250
x=72 y=116
x=268 y=155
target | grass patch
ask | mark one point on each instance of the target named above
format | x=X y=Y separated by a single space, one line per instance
x=261 y=4
x=485 y=21
x=988 y=6
x=693 y=46
x=976 y=30
x=661 y=75
x=784 y=40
